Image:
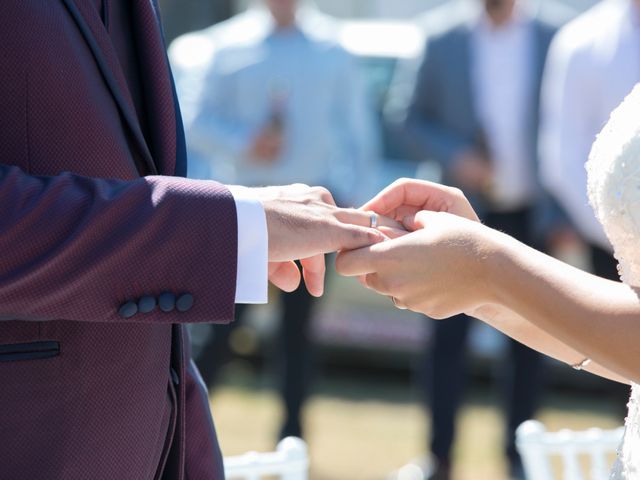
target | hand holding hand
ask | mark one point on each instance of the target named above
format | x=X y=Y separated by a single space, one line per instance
x=303 y=224
x=440 y=269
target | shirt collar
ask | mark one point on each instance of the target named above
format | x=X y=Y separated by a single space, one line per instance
x=309 y=22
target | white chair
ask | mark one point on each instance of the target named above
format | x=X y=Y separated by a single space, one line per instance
x=537 y=448
x=289 y=462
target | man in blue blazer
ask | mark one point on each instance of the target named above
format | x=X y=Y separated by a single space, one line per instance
x=475 y=112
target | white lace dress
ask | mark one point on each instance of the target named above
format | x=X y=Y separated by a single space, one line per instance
x=614 y=192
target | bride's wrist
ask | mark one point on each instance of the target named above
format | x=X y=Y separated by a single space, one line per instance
x=498 y=267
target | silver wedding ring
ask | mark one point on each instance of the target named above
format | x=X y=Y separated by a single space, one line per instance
x=373 y=220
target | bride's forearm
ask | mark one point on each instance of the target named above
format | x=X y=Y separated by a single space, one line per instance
x=534 y=337
x=594 y=317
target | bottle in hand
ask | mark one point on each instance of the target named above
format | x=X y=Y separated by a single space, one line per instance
x=268 y=145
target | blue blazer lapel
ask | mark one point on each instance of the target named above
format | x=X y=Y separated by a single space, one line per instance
x=100 y=44
x=465 y=59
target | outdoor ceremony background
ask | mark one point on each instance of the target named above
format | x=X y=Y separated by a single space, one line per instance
x=365 y=416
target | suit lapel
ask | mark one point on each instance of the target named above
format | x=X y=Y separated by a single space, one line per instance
x=98 y=40
x=465 y=63
x=165 y=125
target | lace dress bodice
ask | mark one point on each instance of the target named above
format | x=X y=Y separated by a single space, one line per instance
x=614 y=192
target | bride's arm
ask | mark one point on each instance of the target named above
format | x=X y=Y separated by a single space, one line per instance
x=451 y=265
x=525 y=332
x=564 y=312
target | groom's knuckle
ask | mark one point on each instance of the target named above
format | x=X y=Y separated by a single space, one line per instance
x=456 y=192
x=322 y=193
x=400 y=182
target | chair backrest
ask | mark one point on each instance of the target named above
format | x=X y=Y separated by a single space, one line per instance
x=289 y=462
x=583 y=455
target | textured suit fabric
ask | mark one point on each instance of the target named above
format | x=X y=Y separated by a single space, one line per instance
x=91 y=217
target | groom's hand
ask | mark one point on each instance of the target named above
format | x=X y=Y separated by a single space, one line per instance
x=303 y=224
x=405 y=197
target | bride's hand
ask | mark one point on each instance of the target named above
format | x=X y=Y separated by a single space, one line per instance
x=406 y=197
x=442 y=268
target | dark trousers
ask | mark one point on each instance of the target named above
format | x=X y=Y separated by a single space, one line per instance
x=445 y=362
x=292 y=352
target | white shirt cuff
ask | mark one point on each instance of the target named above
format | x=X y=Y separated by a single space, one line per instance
x=253 y=247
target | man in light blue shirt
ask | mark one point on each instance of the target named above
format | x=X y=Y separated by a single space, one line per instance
x=279 y=63
x=279 y=102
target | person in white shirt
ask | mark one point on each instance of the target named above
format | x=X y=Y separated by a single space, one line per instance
x=593 y=63
x=280 y=102
x=475 y=111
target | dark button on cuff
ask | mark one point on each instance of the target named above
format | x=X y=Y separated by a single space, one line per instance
x=167 y=302
x=185 y=302
x=146 y=304
x=128 y=310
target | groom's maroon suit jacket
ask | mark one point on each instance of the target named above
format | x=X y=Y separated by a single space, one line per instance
x=92 y=219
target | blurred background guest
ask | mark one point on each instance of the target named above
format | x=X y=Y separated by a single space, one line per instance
x=475 y=111
x=364 y=419
x=593 y=63
x=282 y=102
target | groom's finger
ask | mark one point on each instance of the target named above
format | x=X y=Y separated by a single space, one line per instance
x=313 y=270
x=284 y=275
x=356 y=262
x=346 y=236
x=362 y=218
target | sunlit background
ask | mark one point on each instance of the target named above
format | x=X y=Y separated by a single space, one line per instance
x=365 y=417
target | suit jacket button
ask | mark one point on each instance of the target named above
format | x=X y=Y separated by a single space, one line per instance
x=167 y=302
x=146 y=304
x=128 y=309
x=185 y=302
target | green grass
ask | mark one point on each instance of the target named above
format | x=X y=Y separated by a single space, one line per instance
x=360 y=429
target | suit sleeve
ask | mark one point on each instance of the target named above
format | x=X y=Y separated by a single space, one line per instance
x=77 y=248
x=425 y=133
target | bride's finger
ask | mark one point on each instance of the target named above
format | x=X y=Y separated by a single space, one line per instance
x=393 y=232
x=356 y=262
x=416 y=193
